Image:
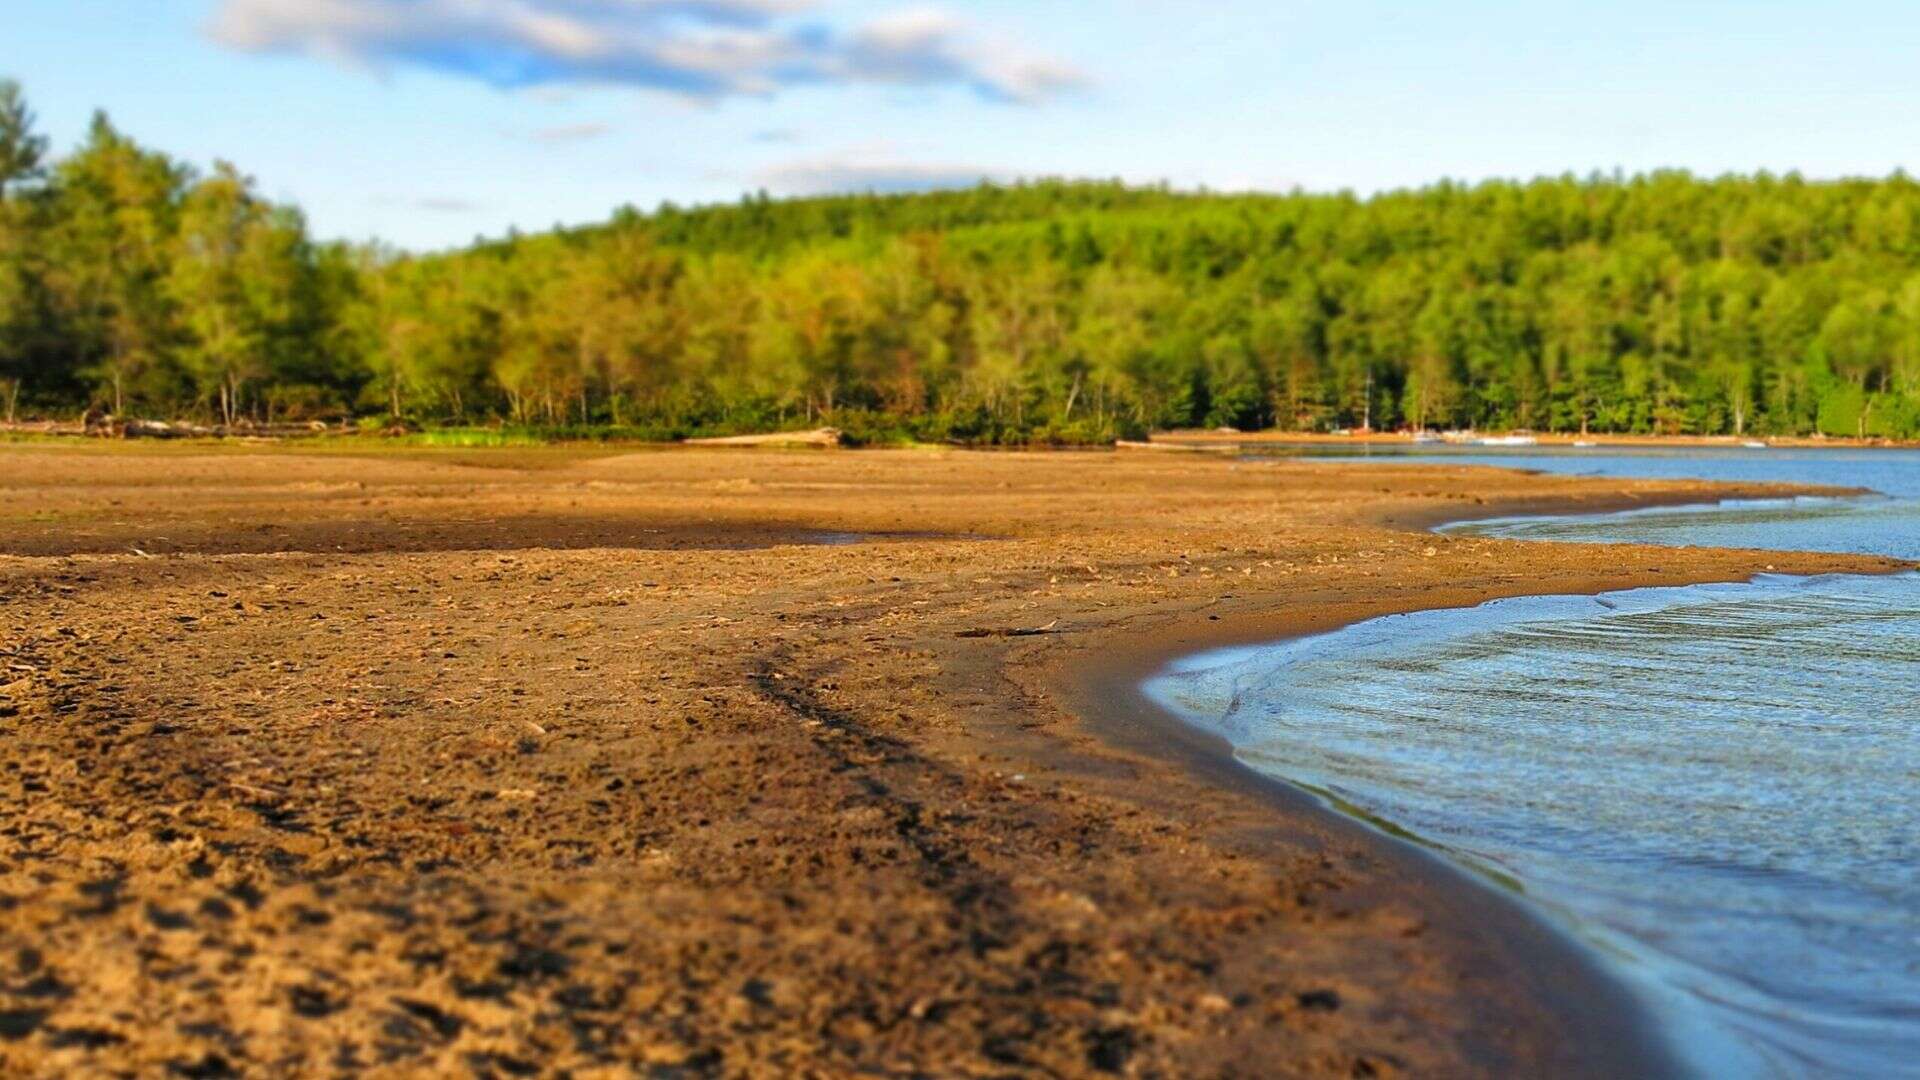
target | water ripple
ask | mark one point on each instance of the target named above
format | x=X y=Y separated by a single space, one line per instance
x=1720 y=785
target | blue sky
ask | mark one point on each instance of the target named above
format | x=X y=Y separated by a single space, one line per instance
x=427 y=122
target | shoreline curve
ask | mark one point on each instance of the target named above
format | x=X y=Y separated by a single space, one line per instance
x=1607 y=1029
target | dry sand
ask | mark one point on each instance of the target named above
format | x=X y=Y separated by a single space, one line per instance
x=585 y=763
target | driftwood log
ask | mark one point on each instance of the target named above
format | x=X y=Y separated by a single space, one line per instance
x=817 y=437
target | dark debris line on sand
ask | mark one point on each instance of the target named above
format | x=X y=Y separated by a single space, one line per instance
x=980 y=907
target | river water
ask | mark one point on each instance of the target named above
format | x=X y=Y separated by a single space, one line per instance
x=1716 y=786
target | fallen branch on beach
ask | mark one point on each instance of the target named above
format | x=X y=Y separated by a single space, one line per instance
x=1014 y=631
x=817 y=437
x=1172 y=448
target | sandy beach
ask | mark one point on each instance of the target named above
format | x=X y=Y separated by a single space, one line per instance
x=738 y=762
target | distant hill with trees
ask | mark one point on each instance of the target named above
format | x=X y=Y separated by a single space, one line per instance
x=1054 y=310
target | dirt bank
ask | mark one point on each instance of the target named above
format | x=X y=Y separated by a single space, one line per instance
x=726 y=762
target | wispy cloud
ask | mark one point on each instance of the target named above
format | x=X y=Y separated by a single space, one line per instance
x=706 y=49
x=932 y=45
x=435 y=204
x=569 y=133
x=828 y=176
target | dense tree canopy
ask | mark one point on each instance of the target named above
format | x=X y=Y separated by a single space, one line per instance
x=1658 y=303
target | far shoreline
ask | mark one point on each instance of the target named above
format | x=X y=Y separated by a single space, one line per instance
x=501 y=435
x=1598 y=441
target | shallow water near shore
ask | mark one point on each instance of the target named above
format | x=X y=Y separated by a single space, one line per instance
x=1714 y=785
x=1886 y=522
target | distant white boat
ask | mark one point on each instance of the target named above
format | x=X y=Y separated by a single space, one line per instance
x=1585 y=444
x=1507 y=440
x=1426 y=437
x=1755 y=444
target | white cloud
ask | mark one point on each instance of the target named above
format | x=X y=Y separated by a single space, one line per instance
x=696 y=48
x=570 y=133
x=436 y=204
x=880 y=175
x=934 y=45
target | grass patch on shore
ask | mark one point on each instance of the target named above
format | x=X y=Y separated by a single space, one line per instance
x=471 y=438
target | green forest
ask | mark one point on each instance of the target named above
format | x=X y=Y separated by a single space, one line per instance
x=142 y=286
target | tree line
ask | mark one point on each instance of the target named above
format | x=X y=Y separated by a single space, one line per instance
x=1045 y=311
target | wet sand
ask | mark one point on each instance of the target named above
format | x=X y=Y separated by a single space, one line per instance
x=543 y=761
